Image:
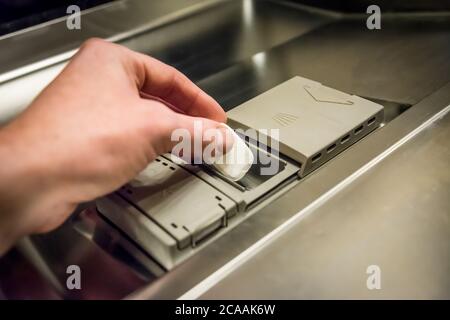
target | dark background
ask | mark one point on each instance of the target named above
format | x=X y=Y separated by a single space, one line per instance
x=19 y=14
x=385 y=5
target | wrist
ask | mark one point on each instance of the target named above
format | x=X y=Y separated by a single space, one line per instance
x=8 y=212
x=19 y=173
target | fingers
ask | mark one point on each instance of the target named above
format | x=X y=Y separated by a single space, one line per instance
x=156 y=79
x=165 y=82
x=194 y=139
x=152 y=77
x=199 y=139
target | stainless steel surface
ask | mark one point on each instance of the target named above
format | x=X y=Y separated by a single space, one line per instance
x=31 y=58
x=104 y=274
x=395 y=216
x=33 y=47
x=198 y=45
x=403 y=62
x=236 y=50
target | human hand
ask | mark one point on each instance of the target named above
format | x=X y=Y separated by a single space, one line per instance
x=89 y=132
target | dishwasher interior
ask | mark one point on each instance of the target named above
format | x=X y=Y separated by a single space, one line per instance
x=317 y=74
x=178 y=207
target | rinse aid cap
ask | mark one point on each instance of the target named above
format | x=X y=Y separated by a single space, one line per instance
x=237 y=161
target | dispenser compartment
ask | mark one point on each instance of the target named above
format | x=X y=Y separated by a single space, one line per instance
x=256 y=184
x=314 y=122
x=170 y=210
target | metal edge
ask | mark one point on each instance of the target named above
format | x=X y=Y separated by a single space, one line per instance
x=64 y=56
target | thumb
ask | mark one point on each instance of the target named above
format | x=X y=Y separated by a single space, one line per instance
x=198 y=140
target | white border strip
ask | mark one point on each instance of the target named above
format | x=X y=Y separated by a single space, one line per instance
x=244 y=256
x=35 y=66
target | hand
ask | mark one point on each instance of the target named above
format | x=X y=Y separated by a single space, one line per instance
x=89 y=132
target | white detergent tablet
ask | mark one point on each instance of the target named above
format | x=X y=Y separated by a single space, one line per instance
x=237 y=161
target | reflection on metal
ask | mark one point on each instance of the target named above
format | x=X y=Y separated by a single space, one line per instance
x=259 y=60
x=16 y=73
x=18 y=94
x=165 y=14
x=28 y=249
x=248 y=12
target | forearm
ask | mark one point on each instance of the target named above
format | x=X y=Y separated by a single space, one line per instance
x=9 y=177
x=20 y=186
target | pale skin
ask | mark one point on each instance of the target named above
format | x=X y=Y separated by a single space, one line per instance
x=90 y=132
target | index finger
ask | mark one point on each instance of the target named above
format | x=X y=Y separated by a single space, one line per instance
x=158 y=79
